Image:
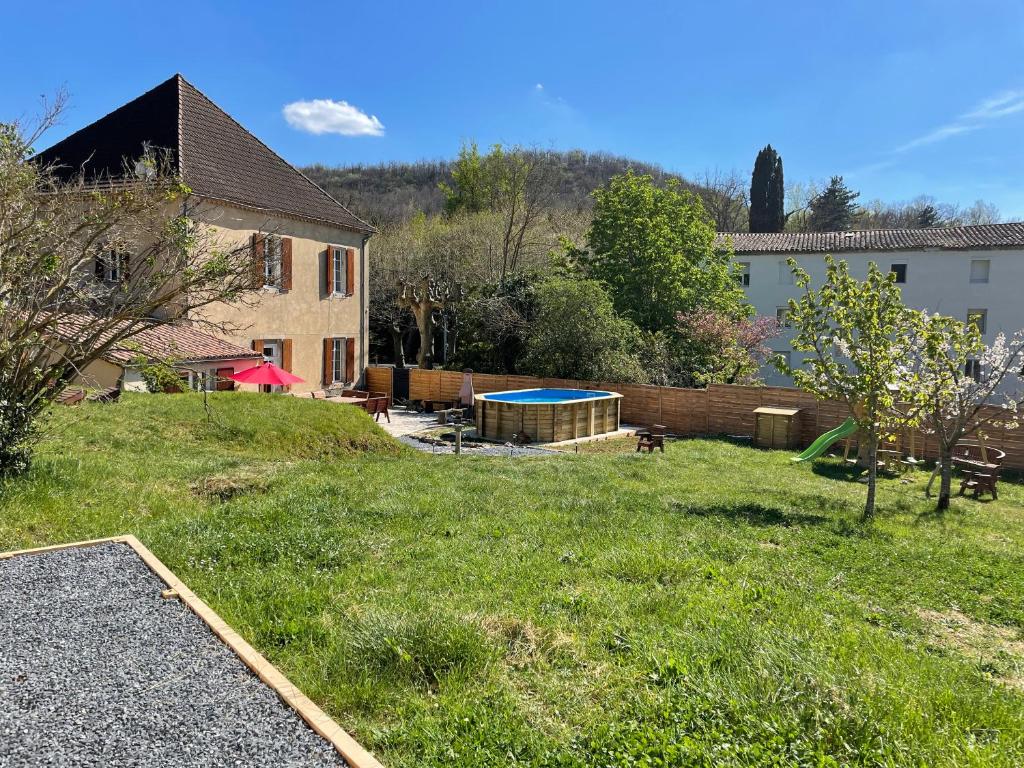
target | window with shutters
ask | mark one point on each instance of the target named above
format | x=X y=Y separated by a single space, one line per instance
x=338 y=359
x=272 y=261
x=979 y=270
x=338 y=271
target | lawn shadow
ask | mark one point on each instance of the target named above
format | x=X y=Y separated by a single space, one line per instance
x=751 y=513
x=850 y=473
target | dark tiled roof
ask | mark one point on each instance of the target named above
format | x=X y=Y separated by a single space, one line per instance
x=214 y=155
x=945 y=238
x=181 y=343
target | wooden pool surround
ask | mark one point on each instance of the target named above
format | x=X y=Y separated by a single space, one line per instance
x=547 y=422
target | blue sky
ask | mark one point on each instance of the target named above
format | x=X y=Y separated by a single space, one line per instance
x=902 y=97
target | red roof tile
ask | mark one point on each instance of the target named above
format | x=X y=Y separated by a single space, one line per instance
x=181 y=343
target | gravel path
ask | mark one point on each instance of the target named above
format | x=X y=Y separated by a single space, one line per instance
x=477 y=449
x=96 y=669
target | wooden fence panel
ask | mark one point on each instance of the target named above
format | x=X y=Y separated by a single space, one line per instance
x=685 y=411
x=450 y=384
x=489 y=382
x=380 y=380
x=731 y=409
x=424 y=385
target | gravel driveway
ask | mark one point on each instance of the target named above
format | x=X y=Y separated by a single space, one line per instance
x=97 y=669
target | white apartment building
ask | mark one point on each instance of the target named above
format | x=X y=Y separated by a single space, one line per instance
x=972 y=272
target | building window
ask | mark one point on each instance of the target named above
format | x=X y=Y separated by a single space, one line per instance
x=744 y=276
x=203 y=380
x=111 y=266
x=786 y=358
x=973 y=369
x=978 y=318
x=339 y=271
x=900 y=270
x=782 y=316
x=272 y=261
x=979 y=270
x=785 y=274
x=338 y=359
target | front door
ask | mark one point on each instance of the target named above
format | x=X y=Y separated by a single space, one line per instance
x=271 y=354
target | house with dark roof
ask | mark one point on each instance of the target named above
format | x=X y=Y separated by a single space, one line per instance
x=311 y=316
x=972 y=273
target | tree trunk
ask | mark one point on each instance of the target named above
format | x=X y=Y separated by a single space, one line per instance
x=869 y=504
x=425 y=323
x=946 y=479
x=397 y=346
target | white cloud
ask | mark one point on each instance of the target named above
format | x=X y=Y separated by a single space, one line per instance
x=320 y=116
x=993 y=108
x=1002 y=105
x=939 y=134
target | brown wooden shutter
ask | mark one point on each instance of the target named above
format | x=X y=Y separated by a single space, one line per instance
x=286 y=263
x=350 y=360
x=257 y=346
x=100 y=267
x=328 y=362
x=350 y=272
x=224 y=384
x=286 y=354
x=330 y=271
x=258 y=265
x=286 y=359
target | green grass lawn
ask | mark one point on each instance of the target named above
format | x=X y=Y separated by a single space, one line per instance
x=715 y=605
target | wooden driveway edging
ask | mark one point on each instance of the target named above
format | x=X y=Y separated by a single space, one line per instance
x=312 y=715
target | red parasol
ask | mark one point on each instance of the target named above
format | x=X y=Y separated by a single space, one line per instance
x=268 y=373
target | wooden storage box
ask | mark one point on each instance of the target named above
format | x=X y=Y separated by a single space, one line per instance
x=777 y=427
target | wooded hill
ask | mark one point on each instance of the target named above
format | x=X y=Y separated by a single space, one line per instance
x=391 y=192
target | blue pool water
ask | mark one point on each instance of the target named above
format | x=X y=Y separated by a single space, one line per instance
x=545 y=395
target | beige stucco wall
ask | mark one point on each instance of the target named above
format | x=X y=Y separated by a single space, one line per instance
x=100 y=374
x=307 y=314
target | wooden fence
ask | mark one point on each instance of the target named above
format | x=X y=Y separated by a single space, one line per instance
x=721 y=409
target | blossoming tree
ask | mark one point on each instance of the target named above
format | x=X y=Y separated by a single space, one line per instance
x=960 y=383
x=721 y=348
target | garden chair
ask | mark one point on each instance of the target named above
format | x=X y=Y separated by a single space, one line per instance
x=651 y=438
x=980 y=466
x=376 y=406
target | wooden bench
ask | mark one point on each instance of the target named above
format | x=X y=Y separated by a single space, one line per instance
x=652 y=438
x=980 y=467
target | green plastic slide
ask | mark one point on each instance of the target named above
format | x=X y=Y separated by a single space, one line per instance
x=822 y=444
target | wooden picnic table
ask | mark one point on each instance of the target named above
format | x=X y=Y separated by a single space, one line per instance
x=350 y=400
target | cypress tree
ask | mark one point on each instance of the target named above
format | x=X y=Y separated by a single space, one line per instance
x=767 y=193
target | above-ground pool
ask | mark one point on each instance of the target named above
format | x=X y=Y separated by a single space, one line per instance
x=546 y=415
